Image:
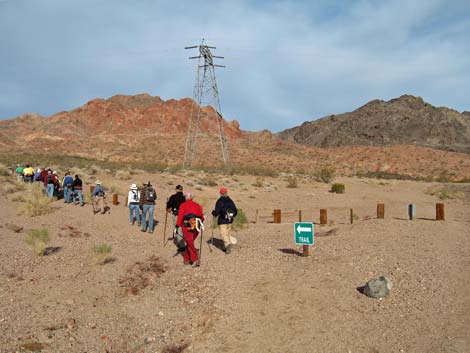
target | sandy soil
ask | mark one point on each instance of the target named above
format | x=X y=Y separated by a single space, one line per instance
x=264 y=297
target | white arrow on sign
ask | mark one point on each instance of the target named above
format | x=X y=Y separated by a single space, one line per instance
x=303 y=229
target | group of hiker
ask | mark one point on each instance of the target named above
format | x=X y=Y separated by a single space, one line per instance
x=69 y=188
x=188 y=217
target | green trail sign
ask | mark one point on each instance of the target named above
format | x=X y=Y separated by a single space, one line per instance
x=303 y=232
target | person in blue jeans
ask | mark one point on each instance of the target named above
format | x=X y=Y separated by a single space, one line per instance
x=77 y=191
x=133 y=199
x=49 y=184
x=148 y=196
x=67 y=185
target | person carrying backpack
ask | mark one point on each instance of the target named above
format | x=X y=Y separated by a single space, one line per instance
x=148 y=195
x=172 y=206
x=99 y=195
x=49 y=183
x=28 y=173
x=77 y=190
x=190 y=213
x=67 y=186
x=226 y=211
x=133 y=199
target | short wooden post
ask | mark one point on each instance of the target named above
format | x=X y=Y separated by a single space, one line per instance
x=127 y=199
x=440 y=212
x=115 y=200
x=380 y=210
x=92 y=188
x=277 y=216
x=257 y=217
x=351 y=215
x=300 y=215
x=305 y=252
x=411 y=211
x=323 y=217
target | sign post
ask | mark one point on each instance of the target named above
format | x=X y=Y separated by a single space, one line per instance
x=304 y=232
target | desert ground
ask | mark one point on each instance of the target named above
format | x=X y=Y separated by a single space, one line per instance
x=264 y=296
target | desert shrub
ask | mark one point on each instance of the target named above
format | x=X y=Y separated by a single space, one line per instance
x=325 y=175
x=4 y=171
x=11 y=187
x=447 y=192
x=258 y=183
x=123 y=174
x=292 y=182
x=240 y=221
x=115 y=189
x=142 y=274
x=93 y=170
x=38 y=239
x=175 y=348
x=102 y=253
x=338 y=188
x=37 y=203
x=208 y=181
x=18 y=198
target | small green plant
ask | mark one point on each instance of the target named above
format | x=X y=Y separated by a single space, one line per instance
x=38 y=239
x=292 y=182
x=240 y=221
x=338 y=188
x=102 y=253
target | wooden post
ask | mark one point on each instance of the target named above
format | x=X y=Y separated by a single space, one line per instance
x=440 y=212
x=257 y=217
x=351 y=215
x=305 y=252
x=300 y=215
x=380 y=210
x=411 y=211
x=115 y=199
x=277 y=216
x=92 y=188
x=125 y=204
x=323 y=217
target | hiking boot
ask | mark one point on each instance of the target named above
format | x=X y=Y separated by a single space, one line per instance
x=138 y=223
x=151 y=231
x=196 y=263
x=143 y=230
x=228 y=249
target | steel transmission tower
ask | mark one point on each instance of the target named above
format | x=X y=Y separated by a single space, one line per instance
x=205 y=93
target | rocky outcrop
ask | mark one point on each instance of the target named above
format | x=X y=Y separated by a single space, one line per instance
x=407 y=120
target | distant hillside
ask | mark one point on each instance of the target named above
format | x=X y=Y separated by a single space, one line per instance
x=407 y=120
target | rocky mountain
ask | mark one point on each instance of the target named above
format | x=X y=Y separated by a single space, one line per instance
x=148 y=130
x=407 y=120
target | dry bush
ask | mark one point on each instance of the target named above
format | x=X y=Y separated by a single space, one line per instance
x=123 y=175
x=142 y=274
x=14 y=227
x=115 y=189
x=12 y=187
x=102 y=253
x=207 y=181
x=37 y=203
x=4 y=171
x=258 y=183
x=175 y=348
x=292 y=182
x=18 y=198
x=448 y=192
x=38 y=239
x=325 y=175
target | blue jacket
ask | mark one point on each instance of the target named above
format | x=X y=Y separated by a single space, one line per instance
x=98 y=190
x=224 y=204
x=67 y=180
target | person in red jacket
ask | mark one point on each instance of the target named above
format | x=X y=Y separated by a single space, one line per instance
x=188 y=216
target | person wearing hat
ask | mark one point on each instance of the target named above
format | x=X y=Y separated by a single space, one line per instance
x=172 y=206
x=225 y=211
x=99 y=195
x=133 y=203
x=188 y=214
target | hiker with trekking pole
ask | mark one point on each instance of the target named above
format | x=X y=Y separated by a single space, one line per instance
x=172 y=206
x=190 y=219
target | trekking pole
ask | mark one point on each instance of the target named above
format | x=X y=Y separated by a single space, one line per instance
x=211 y=243
x=164 y=227
x=201 y=228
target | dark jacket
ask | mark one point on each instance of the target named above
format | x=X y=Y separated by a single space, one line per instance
x=77 y=184
x=222 y=206
x=175 y=202
x=144 y=199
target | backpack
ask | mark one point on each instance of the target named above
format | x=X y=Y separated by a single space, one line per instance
x=229 y=214
x=135 y=196
x=151 y=195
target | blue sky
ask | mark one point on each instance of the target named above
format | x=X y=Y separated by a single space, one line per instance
x=286 y=61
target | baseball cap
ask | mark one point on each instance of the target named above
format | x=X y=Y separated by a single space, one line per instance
x=179 y=187
x=223 y=190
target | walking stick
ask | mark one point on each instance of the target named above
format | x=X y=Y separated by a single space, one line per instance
x=201 y=225
x=164 y=228
x=212 y=236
